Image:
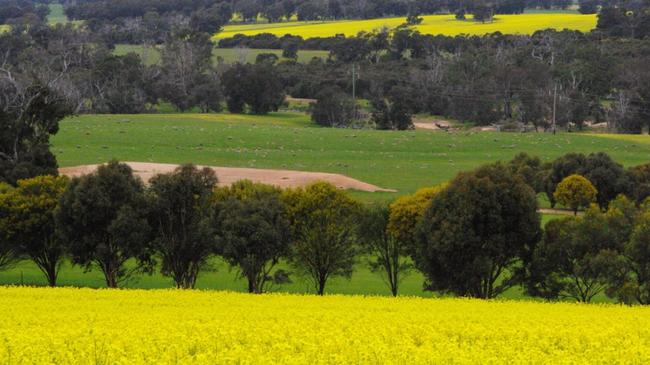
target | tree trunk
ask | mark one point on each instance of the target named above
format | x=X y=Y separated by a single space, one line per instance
x=321 y=285
x=111 y=279
x=252 y=285
x=50 y=273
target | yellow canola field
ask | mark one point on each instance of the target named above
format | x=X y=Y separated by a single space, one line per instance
x=87 y=326
x=431 y=24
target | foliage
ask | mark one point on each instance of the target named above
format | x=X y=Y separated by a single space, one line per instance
x=579 y=257
x=102 y=217
x=388 y=254
x=406 y=213
x=475 y=231
x=323 y=221
x=530 y=169
x=333 y=108
x=30 y=114
x=608 y=177
x=254 y=85
x=27 y=221
x=641 y=177
x=180 y=204
x=253 y=230
x=393 y=112
x=575 y=191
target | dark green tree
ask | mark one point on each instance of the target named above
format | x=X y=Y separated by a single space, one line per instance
x=257 y=86
x=29 y=114
x=333 y=108
x=253 y=231
x=579 y=257
x=608 y=177
x=388 y=255
x=184 y=237
x=210 y=20
x=474 y=251
x=641 y=182
x=102 y=218
x=394 y=111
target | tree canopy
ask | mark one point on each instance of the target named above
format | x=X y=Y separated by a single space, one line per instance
x=253 y=231
x=324 y=221
x=475 y=231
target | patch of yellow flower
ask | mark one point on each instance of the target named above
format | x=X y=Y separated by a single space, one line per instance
x=431 y=24
x=86 y=326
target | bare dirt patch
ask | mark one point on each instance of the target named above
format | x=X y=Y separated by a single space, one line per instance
x=229 y=175
x=556 y=211
x=431 y=124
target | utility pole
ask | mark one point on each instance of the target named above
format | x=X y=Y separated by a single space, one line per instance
x=554 y=105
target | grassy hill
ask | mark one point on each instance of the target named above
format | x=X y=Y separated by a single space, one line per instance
x=404 y=161
x=431 y=24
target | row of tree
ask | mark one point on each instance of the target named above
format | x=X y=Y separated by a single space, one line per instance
x=548 y=80
x=282 y=10
x=110 y=221
x=23 y=11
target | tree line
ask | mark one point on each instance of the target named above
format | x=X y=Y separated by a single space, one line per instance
x=547 y=81
x=111 y=221
x=284 y=10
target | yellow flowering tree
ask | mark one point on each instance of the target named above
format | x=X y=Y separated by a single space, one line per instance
x=575 y=191
x=27 y=221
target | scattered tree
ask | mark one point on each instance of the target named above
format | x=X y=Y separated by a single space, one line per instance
x=407 y=212
x=102 y=218
x=579 y=255
x=184 y=237
x=323 y=221
x=257 y=86
x=27 y=220
x=473 y=252
x=333 y=108
x=575 y=191
x=388 y=254
x=253 y=231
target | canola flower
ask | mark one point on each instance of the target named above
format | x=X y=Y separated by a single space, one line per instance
x=431 y=24
x=88 y=326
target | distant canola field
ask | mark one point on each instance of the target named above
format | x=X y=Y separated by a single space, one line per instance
x=86 y=326
x=431 y=24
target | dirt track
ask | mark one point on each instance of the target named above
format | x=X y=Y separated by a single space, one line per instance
x=229 y=175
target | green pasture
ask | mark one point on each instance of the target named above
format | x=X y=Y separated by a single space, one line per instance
x=404 y=161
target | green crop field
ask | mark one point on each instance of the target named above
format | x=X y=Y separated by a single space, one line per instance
x=151 y=55
x=432 y=24
x=404 y=161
